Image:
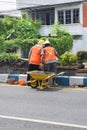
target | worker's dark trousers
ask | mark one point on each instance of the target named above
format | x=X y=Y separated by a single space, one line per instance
x=52 y=68
x=30 y=68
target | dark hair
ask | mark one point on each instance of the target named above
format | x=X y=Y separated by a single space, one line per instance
x=47 y=44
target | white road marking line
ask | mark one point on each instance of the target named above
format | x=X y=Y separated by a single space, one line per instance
x=43 y=121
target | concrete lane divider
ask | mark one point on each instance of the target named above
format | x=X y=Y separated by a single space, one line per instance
x=20 y=79
x=60 y=80
x=71 y=80
x=3 y=78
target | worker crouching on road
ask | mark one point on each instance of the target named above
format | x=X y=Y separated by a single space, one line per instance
x=34 y=57
x=49 y=58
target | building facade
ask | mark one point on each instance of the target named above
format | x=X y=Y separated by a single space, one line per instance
x=9 y=8
x=72 y=14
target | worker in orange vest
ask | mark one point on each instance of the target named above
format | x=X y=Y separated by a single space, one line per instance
x=34 y=57
x=49 y=58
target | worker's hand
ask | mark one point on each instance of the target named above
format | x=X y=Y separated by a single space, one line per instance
x=41 y=66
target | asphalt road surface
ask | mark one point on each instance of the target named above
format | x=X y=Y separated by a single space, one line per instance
x=24 y=108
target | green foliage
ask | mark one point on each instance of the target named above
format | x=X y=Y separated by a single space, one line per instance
x=37 y=24
x=7 y=26
x=26 y=45
x=58 y=30
x=9 y=23
x=65 y=44
x=24 y=29
x=82 y=56
x=62 y=44
x=12 y=28
x=2 y=28
x=24 y=33
x=26 y=16
x=68 y=59
x=2 y=45
x=8 y=57
x=11 y=45
x=63 y=39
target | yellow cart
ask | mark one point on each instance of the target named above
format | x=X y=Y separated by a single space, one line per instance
x=40 y=79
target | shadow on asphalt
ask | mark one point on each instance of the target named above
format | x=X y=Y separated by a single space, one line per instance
x=51 y=89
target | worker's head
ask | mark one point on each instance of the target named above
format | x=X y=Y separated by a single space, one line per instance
x=41 y=41
x=47 y=43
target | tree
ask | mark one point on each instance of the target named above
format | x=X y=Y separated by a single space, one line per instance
x=7 y=26
x=11 y=28
x=64 y=39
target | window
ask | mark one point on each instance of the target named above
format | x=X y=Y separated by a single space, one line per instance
x=1 y=16
x=47 y=19
x=76 y=16
x=68 y=16
x=61 y=17
x=46 y=16
x=41 y=17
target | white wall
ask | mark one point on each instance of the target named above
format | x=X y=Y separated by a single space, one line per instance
x=81 y=43
x=84 y=39
x=9 y=7
x=45 y=30
x=74 y=29
x=77 y=46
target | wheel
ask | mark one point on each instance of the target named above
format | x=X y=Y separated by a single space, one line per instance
x=33 y=83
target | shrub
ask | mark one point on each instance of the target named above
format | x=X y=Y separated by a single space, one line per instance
x=26 y=45
x=11 y=46
x=68 y=59
x=63 y=38
x=8 y=57
x=81 y=56
x=2 y=45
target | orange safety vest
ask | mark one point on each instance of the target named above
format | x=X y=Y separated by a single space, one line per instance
x=35 y=57
x=49 y=54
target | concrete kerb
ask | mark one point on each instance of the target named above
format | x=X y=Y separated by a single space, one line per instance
x=10 y=85
x=16 y=77
x=71 y=80
x=60 y=80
